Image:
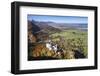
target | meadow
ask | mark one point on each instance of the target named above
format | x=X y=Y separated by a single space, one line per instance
x=72 y=40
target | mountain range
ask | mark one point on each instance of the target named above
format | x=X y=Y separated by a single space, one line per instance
x=55 y=27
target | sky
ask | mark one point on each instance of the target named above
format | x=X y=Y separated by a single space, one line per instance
x=58 y=19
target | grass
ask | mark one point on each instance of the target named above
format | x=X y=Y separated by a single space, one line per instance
x=77 y=38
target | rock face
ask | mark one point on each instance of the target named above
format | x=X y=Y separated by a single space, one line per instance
x=31 y=38
x=32 y=32
x=35 y=33
x=32 y=27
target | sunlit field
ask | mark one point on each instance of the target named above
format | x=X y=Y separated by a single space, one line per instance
x=71 y=40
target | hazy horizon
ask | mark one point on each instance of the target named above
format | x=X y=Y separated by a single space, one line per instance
x=59 y=19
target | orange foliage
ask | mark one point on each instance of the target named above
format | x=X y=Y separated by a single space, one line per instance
x=41 y=50
x=31 y=37
x=37 y=50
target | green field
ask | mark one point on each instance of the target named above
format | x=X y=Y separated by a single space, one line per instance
x=71 y=40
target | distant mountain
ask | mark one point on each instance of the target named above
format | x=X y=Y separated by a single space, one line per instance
x=68 y=25
x=56 y=27
x=45 y=26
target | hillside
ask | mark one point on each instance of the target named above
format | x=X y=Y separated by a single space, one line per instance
x=45 y=26
x=71 y=42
